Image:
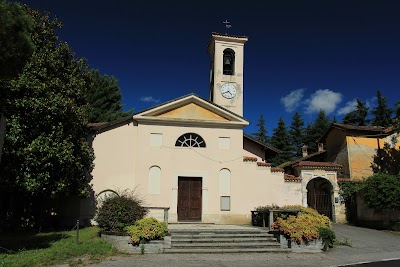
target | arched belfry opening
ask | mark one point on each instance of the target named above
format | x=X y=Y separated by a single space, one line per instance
x=229 y=62
x=319 y=196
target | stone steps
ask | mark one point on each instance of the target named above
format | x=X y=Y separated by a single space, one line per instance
x=228 y=244
x=223 y=241
x=227 y=250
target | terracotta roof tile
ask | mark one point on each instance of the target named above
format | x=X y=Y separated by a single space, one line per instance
x=316 y=164
x=303 y=158
x=292 y=178
x=247 y=158
x=359 y=128
x=277 y=169
x=263 y=164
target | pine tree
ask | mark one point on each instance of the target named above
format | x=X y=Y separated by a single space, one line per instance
x=297 y=134
x=397 y=118
x=105 y=99
x=261 y=135
x=315 y=131
x=350 y=118
x=281 y=140
x=359 y=116
x=382 y=113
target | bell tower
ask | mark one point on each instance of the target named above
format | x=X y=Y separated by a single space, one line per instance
x=226 y=71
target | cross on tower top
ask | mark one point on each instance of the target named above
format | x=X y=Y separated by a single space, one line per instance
x=227 y=25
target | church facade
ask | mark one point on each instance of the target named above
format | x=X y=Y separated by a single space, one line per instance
x=191 y=155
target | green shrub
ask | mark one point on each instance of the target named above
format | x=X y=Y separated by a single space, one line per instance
x=303 y=227
x=382 y=192
x=120 y=211
x=328 y=237
x=147 y=229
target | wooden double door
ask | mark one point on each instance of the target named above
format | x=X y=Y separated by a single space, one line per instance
x=189 y=198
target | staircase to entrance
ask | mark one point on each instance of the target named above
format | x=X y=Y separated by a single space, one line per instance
x=221 y=239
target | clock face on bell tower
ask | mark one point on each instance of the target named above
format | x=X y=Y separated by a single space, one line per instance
x=226 y=75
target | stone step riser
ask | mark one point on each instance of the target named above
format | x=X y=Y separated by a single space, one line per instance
x=222 y=240
x=222 y=236
x=227 y=250
x=216 y=232
x=205 y=245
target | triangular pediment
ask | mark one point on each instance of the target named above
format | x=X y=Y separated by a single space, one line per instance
x=191 y=109
x=194 y=112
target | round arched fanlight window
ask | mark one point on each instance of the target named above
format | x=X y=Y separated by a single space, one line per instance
x=190 y=140
x=105 y=194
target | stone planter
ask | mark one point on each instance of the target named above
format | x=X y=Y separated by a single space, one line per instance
x=304 y=247
x=124 y=244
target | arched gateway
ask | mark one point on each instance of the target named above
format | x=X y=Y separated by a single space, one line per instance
x=319 y=196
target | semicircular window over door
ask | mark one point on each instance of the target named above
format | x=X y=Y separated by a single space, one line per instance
x=190 y=140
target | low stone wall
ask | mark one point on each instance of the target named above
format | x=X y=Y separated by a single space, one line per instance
x=368 y=217
x=124 y=244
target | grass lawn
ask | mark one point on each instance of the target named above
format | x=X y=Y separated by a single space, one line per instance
x=32 y=249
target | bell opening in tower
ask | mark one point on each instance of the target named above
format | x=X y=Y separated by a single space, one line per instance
x=228 y=62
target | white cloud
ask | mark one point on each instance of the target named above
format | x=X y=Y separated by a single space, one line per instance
x=292 y=100
x=323 y=99
x=349 y=107
x=149 y=99
x=352 y=105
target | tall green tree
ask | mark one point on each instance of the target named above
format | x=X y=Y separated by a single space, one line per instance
x=261 y=135
x=297 y=134
x=105 y=99
x=46 y=153
x=16 y=45
x=316 y=130
x=359 y=116
x=382 y=113
x=281 y=140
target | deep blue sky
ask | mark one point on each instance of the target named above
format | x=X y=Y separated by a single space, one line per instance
x=317 y=54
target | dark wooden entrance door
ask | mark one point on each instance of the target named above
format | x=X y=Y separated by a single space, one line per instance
x=189 y=198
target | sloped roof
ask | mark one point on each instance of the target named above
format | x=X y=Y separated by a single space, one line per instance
x=374 y=131
x=156 y=114
x=316 y=164
x=98 y=126
x=358 y=128
x=235 y=119
x=251 y=138
x=302 y=158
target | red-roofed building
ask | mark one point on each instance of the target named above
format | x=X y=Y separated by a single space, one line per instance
x=356 y=147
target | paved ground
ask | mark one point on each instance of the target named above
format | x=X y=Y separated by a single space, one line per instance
x=367 y=245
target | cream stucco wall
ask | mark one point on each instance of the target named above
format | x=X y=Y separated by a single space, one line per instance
x=115 y=158
x=124 y=158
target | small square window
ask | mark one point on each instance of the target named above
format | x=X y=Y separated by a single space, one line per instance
x=224 y=143
x=156 y=139
x=225 y=203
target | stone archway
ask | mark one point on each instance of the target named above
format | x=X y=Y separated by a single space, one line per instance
x=319 y=196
